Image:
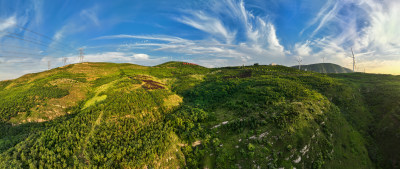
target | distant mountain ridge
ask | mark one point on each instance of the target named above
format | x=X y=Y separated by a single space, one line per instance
x=324 y=68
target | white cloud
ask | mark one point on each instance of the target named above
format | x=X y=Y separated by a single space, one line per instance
x=273 y=39
x=59 y=34
x=141 y=56
x=209 y=24
x=91 y=14
x=113 y=57
x=75 y=25
x=370 y=27
x=303 y=49
x=38 y=8
x=7 y=23
x=324 y=16
x=260 y=43
x=147 y=37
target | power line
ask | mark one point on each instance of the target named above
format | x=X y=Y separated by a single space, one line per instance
x=16 y=47
x=12 y=52
x=39 y=34
x=11 y=56
x=60 y=46
x=33 y=32
x=23 y=39
x=17 y=62
x=25 y=63
x=23 y=36
x=35 y=41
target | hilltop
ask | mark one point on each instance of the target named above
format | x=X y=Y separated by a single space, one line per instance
x=181 y=115
x=324 y=68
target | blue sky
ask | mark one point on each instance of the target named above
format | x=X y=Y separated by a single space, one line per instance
x=211 y=33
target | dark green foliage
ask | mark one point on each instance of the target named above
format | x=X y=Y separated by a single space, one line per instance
x=380 y=101
x=60 y=75
x=187 y=122
x=104 y=80
x=324 y=68
x=235 y=117
x=4 y=84
x=22 y=99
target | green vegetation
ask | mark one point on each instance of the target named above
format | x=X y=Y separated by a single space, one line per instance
x=105 y=115
x=324 y=68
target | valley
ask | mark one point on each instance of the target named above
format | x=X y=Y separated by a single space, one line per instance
x=178 y=115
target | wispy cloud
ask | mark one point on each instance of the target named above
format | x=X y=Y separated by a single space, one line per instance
x=124 y=57
x=18 y=57
x=7 y=23
x=38 y=11
x=324 y=16
x=76 y=24
x=370 y=27
x=91 y=14
x=260 y=42
x=303 y=49
x=223 y=32
x=147 y=37
x=200 y=20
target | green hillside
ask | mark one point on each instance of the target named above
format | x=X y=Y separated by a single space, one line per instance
x=179 y=115
x=324 y=68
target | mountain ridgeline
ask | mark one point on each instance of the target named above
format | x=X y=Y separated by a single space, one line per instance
x=179 y=115
x=324 y=68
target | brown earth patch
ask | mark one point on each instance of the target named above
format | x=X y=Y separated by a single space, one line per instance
x=244 y=74
x=149 y=84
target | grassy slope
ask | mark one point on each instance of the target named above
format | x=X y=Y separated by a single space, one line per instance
x=173 y=114
x=325 y=68
x=380 y=95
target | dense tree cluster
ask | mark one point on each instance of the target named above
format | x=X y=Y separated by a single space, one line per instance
x=235 y=117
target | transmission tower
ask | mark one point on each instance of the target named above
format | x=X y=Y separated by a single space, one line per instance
x=48 y=65
x=81 y=55
x=354 y=60
x=65 y=60
x=323 y=59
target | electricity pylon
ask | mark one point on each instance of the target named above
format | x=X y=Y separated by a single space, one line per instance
x=65 y=60
x=354 y=60
x=81 y=55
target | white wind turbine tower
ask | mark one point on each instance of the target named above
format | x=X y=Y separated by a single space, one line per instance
x=299 y=60
x=354 y=59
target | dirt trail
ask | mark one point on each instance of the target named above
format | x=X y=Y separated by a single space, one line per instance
x=96 y=123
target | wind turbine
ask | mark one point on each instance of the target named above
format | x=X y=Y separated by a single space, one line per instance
x=299 y=60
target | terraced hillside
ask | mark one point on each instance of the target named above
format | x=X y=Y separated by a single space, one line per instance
x=178 y=115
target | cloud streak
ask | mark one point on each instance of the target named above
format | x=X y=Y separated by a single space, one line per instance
x=370 y=27
x=7 y=23
x=219 y=33
x=91 y=14
x=222 y=43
